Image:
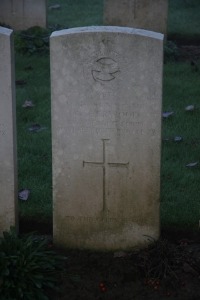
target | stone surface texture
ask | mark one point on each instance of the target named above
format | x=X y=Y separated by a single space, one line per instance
x=145 y=14
x=23 y=14
x=106 y=133
x=8 y=169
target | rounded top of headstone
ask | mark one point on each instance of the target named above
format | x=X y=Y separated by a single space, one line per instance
x=113 y=29
x=4 y=30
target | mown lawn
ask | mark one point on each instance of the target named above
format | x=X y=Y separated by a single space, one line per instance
x=179 y=184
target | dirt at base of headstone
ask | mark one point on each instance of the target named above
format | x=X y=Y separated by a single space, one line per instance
x=99 y=276
x=86 y=271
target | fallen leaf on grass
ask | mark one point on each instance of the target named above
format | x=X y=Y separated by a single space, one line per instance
x=167 y=114
x=24 y=194
x=174 y=139
x=189 y=108
x=28 y=104
x=178 y=139
x=55 y=6
x=36 y=128
x=192 y=165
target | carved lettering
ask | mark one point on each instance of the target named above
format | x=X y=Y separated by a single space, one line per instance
x=103 y=219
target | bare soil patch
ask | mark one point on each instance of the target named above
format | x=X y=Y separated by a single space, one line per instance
x=167 y=270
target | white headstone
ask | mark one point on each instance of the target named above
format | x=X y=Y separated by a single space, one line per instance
x=8 y=176
x=23 y=14
x=106 y=135
x=145 y=14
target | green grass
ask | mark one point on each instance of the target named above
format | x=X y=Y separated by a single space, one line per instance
x=34 y=149
x=183 y=16
x=180 y=193
x=183 y=20
x=76 y=13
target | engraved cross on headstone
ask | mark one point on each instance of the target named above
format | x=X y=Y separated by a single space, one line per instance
x=104 y=165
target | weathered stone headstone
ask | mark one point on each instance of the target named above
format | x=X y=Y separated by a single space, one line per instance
x=106 y=135
x=8 y=177
x=145 y=14
x=23 y=14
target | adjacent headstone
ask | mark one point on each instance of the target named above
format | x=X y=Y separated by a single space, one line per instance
x=145 y=14
x=23 y=14
x=106 y=135
x=8 y=177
